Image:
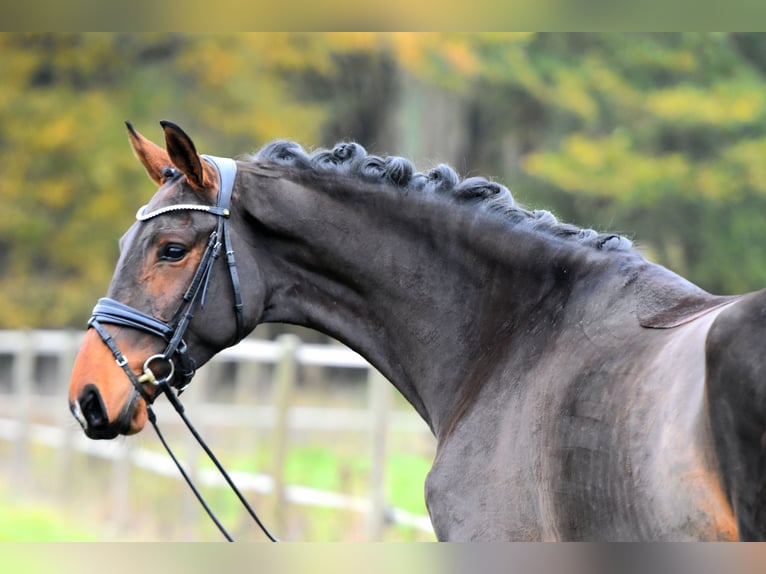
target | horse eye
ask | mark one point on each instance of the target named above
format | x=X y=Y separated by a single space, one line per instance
x=172 y=252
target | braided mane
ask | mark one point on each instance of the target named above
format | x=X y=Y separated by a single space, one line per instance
x=351 y=159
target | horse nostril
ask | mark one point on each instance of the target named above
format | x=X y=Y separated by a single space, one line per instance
x=93 y=408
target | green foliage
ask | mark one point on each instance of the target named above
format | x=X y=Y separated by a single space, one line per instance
x=643 y=124
x=69 y=181
x=612 y=129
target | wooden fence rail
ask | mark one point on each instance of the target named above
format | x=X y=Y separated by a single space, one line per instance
x=28 y=402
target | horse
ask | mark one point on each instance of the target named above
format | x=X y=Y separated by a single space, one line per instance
x=576 y=390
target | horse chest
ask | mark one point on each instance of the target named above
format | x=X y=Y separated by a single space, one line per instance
x=482 y=488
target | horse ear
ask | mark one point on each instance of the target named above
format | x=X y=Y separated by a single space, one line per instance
x=153 y=157
x=184 y=156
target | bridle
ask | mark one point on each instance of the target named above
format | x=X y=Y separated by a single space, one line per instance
x=180 y=365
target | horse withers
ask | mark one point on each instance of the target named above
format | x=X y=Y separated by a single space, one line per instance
x=576 y=391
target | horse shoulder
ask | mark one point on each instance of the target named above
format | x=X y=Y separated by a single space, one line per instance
x=735 y=364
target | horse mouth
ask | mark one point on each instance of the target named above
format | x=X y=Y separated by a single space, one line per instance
x=91 y=413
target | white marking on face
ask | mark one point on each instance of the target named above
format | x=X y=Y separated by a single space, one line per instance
x=77 y=412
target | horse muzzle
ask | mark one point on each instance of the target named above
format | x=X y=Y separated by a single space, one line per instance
x=101 y=399
x=90 y=410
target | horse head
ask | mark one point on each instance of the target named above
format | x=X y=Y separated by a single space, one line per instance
x=176 y=263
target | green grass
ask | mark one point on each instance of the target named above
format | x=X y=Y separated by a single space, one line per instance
x=341 y=470
x=406 y=478
x=79 y=504
x=27 y=522
x=334 y=470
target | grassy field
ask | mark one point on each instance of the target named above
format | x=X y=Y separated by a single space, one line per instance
x=33 y=523
x=339 y=469
x=80 y=505
x=28 y=520
x=334 y=470
x=67 y=495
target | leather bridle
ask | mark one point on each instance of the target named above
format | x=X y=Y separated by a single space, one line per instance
x=180 y=365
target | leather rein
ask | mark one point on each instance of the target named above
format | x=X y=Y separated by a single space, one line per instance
x=180 y=367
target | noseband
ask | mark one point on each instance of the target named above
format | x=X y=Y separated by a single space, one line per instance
x=180 y=367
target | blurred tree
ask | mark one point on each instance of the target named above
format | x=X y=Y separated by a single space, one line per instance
x=658 y=135
x=69 y=180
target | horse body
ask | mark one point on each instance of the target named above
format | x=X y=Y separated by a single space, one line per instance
x=563 y=375
x=569 y=441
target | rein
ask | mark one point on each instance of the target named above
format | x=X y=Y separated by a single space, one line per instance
x=180 y=366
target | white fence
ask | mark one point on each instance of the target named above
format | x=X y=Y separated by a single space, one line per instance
x=34 y=412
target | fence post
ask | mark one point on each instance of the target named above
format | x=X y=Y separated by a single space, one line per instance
x=66 y=422
x=23 y=368
x=379 y=401
x=284 y=381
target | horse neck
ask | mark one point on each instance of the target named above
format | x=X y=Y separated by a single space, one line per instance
x=423 y=289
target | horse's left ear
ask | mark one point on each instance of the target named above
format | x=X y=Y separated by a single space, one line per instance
x=184 y=156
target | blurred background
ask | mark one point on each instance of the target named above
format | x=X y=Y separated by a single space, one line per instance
x=660 y=137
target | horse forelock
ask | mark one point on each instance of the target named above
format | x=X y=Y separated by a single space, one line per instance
x=352 y=160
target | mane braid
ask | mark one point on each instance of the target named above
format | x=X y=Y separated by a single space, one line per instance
x=351 y=159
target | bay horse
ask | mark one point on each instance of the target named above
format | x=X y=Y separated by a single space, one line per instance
x=576 y=390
